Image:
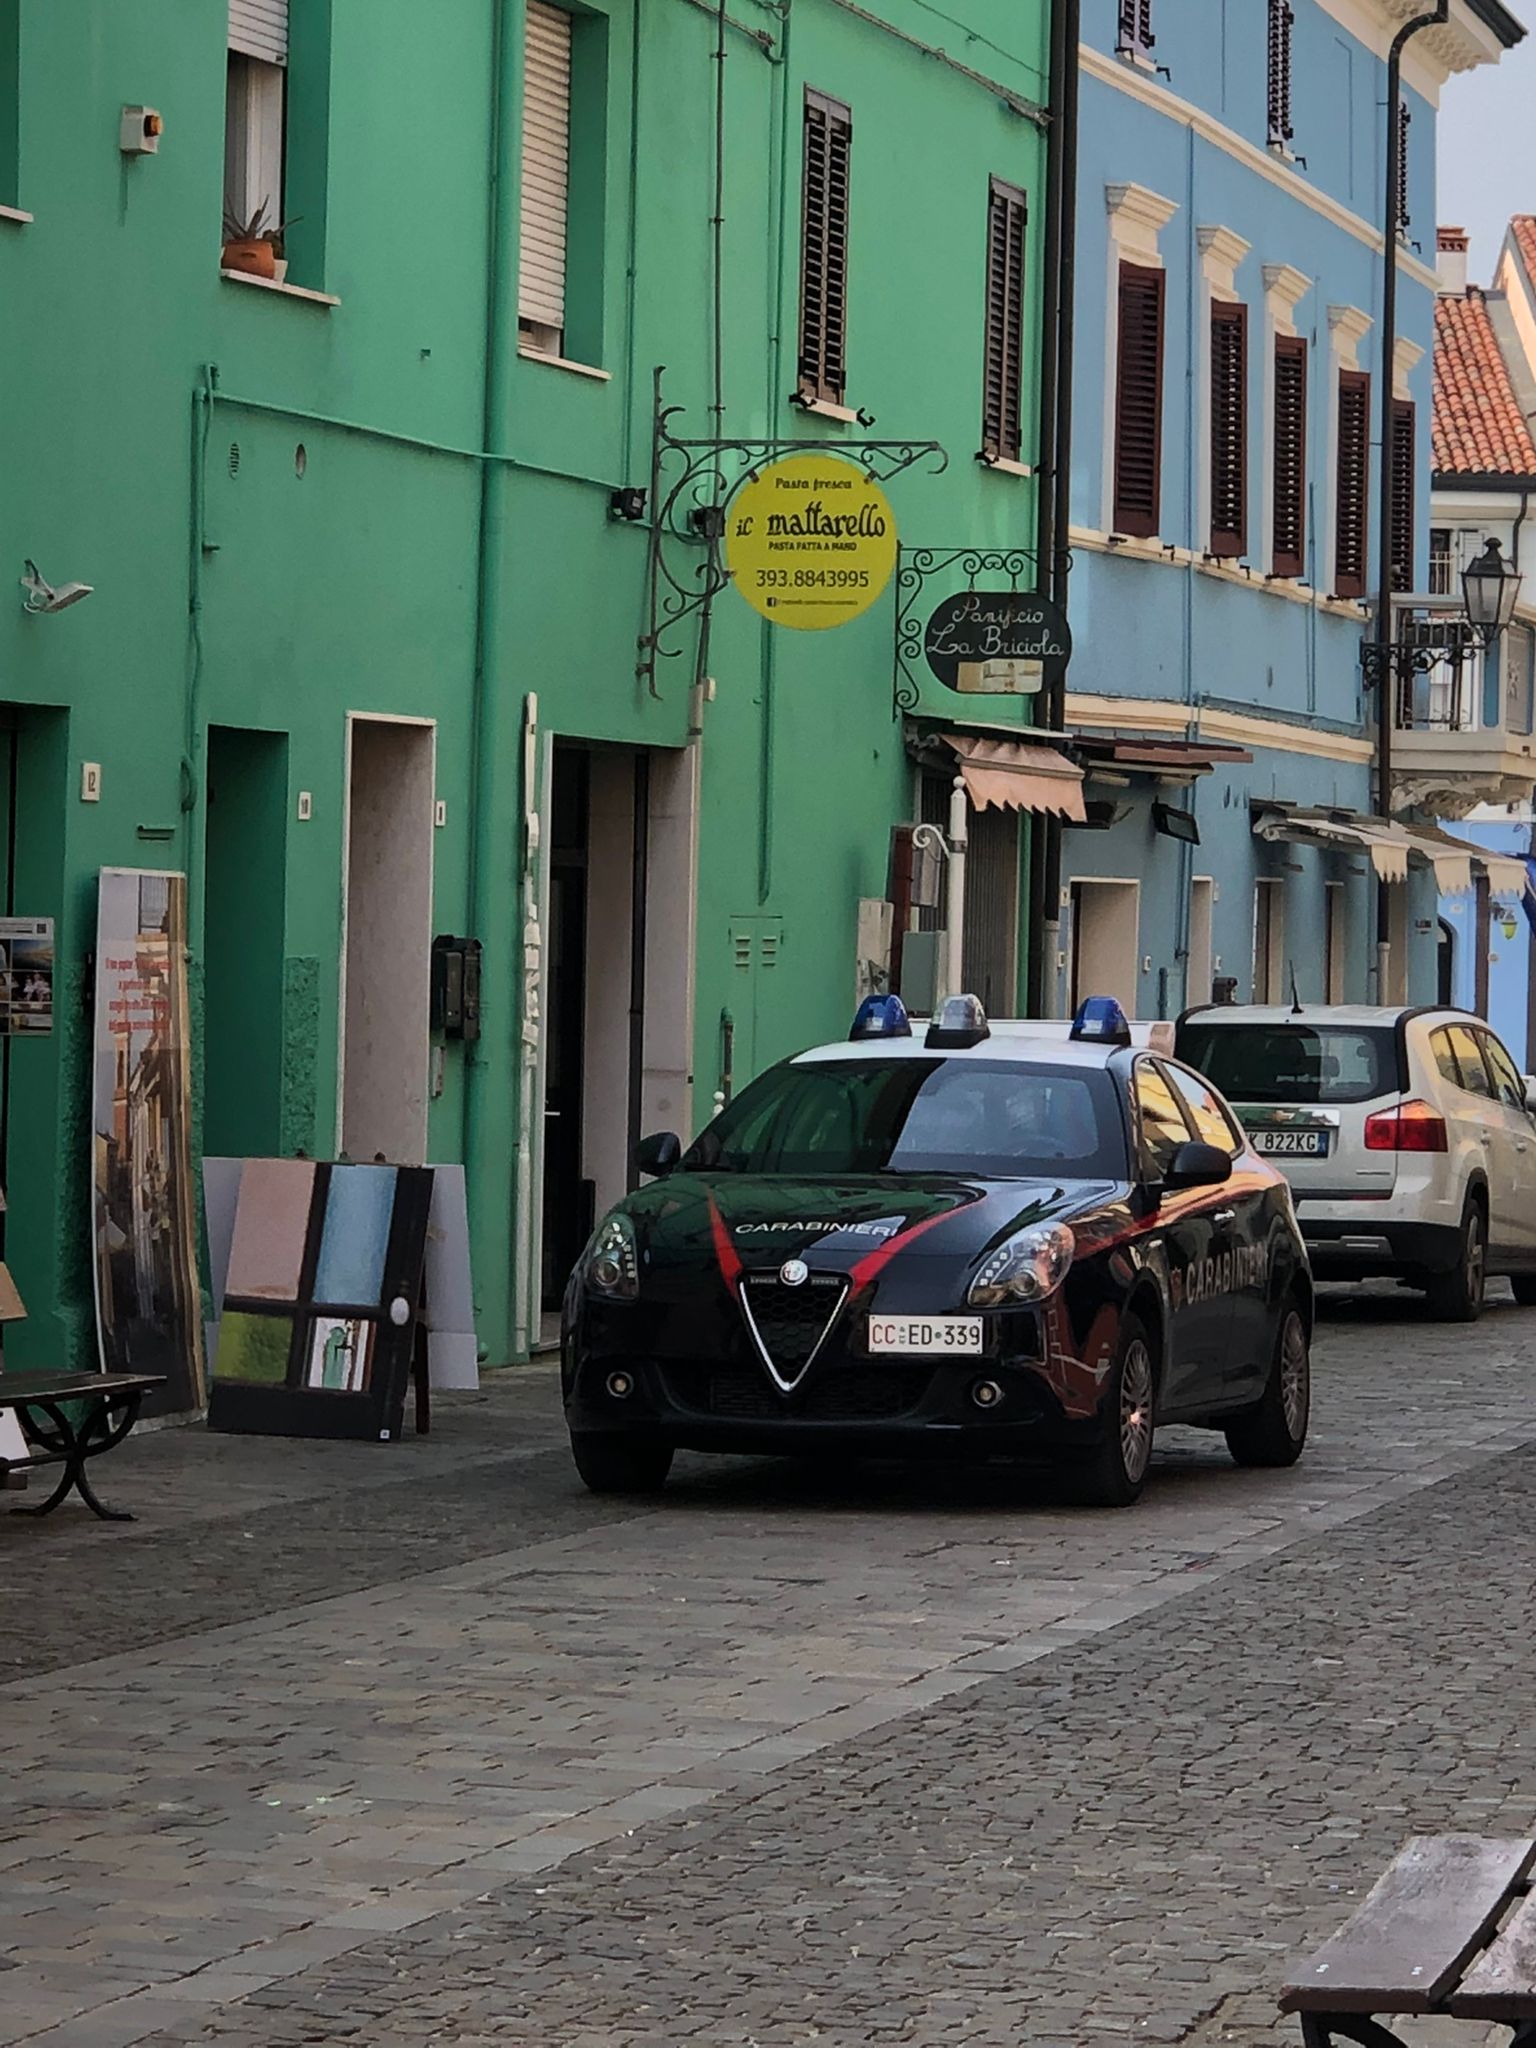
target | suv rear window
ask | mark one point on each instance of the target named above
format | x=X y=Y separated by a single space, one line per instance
x=1292 y=1062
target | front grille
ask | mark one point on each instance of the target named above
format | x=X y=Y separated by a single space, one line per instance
x=855 y=1393
x=789 y=1323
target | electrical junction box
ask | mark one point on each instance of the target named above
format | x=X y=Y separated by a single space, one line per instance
x=140 y=132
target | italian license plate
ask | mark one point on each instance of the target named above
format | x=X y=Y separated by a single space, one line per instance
x=956 y=1335
x=1292 y=1144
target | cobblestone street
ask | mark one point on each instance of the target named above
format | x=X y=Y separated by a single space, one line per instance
x=425 y=1746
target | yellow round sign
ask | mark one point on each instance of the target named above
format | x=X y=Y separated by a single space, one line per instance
x=810 y=542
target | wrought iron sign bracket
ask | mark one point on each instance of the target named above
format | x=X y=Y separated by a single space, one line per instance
x=916 y=569
x=692 y=484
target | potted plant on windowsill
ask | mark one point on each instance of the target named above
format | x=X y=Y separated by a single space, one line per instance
x=253 y=247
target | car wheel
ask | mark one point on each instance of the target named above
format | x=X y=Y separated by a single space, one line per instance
x=1118 y=1471
x=620 y=1464
x=1457 y=1296
x=1274 y=1430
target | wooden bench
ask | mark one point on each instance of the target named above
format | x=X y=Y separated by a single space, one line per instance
x=1450 y=1930
x=109 y=1404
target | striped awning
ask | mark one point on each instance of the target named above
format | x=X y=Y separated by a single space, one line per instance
x=1016 y=776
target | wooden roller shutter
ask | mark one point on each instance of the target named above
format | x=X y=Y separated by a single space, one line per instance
x=1007 y=212
x=1403 y=465
x=1281 y=21
x=1352 y=481
x=823 y=366
x=1290 y=455
x=259 y=28
x=1229 y=429
x=1138 y=450
x=546 y=166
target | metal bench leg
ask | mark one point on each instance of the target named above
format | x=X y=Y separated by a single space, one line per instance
x=74 y=1446
x=1318 y=2030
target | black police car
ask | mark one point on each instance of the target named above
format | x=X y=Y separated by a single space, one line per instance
x=981 y=1244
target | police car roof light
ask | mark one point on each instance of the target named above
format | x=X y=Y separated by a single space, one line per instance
x=1101 y=1021
x=881 y=1017
x=961 y=1021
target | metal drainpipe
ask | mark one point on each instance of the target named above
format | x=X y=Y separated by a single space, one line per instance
x=1386 y=682
x=1061 y=482
x=1051 y=370
x=490 y=1176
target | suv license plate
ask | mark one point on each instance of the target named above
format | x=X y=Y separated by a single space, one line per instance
x=960 y=1334
x=1292 y=1144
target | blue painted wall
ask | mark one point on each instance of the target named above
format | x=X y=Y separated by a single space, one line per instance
x=1176 y=628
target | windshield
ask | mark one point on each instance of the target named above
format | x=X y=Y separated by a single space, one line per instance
x=1293 y=1062
x=999 y=1119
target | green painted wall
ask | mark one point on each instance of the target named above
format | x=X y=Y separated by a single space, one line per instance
x=242 y=584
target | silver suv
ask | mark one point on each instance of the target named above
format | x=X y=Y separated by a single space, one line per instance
x=1408 y=1137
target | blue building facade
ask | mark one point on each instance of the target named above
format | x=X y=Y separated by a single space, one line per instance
x=1225 y=468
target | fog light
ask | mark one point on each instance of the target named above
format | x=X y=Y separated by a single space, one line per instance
x=986 y=1393
x=621 y=1385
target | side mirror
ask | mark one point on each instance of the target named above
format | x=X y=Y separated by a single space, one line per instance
x=1197 y=1166
x=658 y=1154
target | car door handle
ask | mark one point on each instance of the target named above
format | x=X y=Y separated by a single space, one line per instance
x=1225 y=1216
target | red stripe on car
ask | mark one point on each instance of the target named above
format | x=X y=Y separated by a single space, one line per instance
x=725 y=1251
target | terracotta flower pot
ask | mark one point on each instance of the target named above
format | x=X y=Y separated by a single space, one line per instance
x=256 y=259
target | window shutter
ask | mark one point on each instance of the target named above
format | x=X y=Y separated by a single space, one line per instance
x=1229 y=429
x=1138 y=449
x=1290 y=454
x=1281 y=18
x=1007 y=212
x=824 y=250
x=259 y=28
x=1136 y=38
x=1403 y=465
x=1404 y=123
x=546 y=166
x=1352 y=483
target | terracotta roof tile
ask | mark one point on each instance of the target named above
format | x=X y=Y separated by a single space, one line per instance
x=1523 y=228
x=1478 y=426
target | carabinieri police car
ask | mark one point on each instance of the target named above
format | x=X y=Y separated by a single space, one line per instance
x=982 y=1243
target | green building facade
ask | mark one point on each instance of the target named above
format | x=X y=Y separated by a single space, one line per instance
x=361 y=653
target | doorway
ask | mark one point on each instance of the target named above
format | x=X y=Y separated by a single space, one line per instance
x=387 y=940
x=618 y=1056
x=1200 y=969
x=1105 y=942
x=245 y=870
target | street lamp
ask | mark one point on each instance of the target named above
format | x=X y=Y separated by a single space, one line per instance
x=1490 y=586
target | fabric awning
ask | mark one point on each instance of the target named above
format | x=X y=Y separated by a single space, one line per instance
x=1147 y=754
x=1016 y=776
x=1390 y=847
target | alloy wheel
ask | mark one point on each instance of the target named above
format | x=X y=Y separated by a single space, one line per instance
x=1136 y=1410
x=1295 y=1376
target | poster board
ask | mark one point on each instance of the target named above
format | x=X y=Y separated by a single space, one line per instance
x=148 y=1305
x=26 y=977
x=322 y=1283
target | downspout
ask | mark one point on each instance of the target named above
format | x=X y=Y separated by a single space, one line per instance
x=193 y=777
x=495 y=1169
x=1386 y=681
x=1186 y=853
x=778 y=243
x=1043 y=927
x=1061 y=481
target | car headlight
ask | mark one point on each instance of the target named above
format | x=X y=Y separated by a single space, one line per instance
x=1025 y=1267
x=612 y=1265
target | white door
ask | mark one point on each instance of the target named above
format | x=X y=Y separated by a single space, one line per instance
x=1201 y=965
x=1105 y=942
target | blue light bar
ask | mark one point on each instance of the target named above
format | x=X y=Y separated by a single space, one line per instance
x=1101 y=1021
x=881 y=1017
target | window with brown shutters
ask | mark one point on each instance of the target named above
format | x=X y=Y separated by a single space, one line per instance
x=1403 y=439
x=1404 y=124
x=823 y=369
x=1007 y=212
x=1229 y=429
x=1138 y=448
x=1289 y=455
x=1135 y=38
x=1351 y=482
x=1281 y=20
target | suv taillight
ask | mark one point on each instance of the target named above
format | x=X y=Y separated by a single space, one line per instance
x=1411 y=1127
